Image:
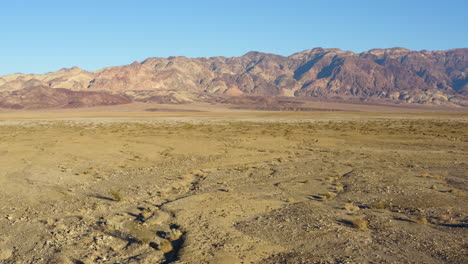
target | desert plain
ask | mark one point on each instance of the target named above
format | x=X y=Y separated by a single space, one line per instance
x=382 y=185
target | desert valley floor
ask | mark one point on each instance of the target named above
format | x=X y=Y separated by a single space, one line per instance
x=234 y=187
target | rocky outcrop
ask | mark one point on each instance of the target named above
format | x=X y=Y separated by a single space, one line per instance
x=394 y=75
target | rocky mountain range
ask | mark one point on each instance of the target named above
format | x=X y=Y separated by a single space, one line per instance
x=395 y=75
x=46 y=97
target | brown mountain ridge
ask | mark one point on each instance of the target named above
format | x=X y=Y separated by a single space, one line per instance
x=45 y=97
x=394 y=75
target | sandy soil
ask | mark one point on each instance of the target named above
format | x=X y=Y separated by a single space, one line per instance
x=233 y=187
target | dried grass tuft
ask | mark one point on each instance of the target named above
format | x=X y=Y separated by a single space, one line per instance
x=359 y=223
x=116 y=195
x=351 y=208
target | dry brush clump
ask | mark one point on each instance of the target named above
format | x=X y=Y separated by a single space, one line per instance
x=422 y=220
x=359 y=223
x=116 y=195
x=174 y=234
x=351 y=208
x=329 y=179
x=444 y=217
x=330 y=195
x=379 y=205
x=164 y=245
x=425 y=175
x=339 y=188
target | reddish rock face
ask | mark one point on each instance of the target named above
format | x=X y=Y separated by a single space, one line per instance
x=45 y=97
x=395 y=75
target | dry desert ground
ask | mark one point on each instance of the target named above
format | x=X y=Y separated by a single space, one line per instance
x=234 y=187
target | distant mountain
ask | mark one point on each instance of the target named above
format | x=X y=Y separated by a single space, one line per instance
x=46 y=97
x=395 y=75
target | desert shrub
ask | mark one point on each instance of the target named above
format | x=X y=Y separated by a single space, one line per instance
x=444 y=217
x=330 y=195
x=339 y=188
x=351 y=208
x=425 y=175
x=329 y=179
x=165 y=246
x=174 y=234
x=421 y=220
x=379 y=205
x=359 y=223
x=116 y=195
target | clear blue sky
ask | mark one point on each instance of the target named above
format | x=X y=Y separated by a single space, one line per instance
x=41 y=36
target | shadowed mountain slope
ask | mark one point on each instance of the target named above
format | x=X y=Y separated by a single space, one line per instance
x=46 y=97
